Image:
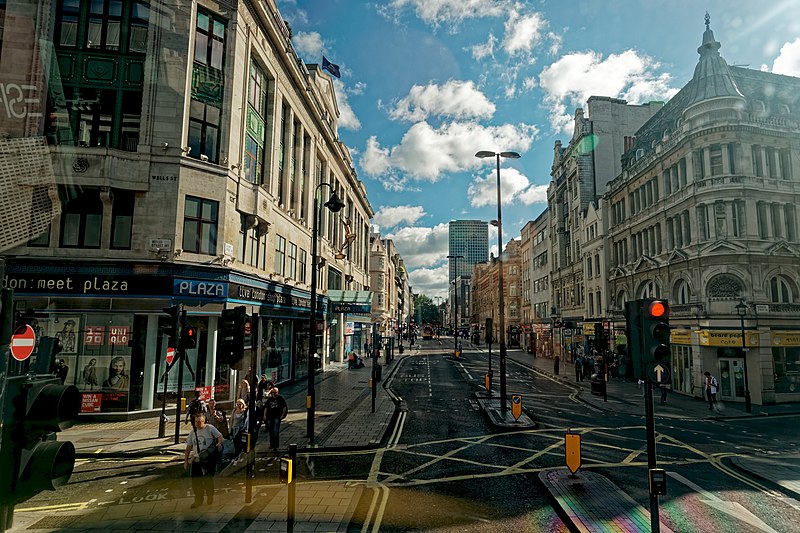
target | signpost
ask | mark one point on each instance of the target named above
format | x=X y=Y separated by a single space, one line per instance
x=516 y=406
x=23 y=341
x=572 y=442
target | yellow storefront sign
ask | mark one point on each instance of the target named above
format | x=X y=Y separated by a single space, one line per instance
x=681 y=336
x=785 y=338
x=727 y=338
x=588 y=328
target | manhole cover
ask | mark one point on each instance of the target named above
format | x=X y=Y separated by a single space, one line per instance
x=54 y=522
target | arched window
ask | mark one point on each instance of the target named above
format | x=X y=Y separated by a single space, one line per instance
x=621 y=298
x=649 y=289
x=725 y=286
x=681 y=294
x=780 y=290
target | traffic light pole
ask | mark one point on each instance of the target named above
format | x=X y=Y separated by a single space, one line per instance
x=179 y=355
x=252 y=429
x=650 y=425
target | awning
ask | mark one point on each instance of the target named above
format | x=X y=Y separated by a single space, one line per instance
x=350 y=301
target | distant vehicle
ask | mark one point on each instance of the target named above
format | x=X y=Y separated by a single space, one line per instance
x=427 y=333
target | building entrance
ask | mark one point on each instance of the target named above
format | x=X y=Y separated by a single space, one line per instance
x=731 y=379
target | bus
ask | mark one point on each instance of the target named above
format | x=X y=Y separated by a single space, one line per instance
x=427 y=332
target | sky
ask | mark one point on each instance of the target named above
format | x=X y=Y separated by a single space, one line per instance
x=425 y=84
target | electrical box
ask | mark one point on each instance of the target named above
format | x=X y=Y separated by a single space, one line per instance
x=286 y=470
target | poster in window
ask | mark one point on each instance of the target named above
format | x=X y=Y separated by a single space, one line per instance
x=93 y=335
x=118 y=335
x=66 y=332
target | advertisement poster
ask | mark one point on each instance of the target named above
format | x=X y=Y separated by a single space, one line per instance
x=65 y=330
x=189 y=373
x=91 y=403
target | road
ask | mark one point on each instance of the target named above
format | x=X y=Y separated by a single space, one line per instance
x=446 y=469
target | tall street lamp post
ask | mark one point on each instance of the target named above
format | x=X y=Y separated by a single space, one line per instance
x=741 y=310
x=500 y=289
x=455 y=301
x=335 y=204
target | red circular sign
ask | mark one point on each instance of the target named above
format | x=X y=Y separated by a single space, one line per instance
x=170 y=355
x=23 y=341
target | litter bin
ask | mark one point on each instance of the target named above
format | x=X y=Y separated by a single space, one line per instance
x=598 y=384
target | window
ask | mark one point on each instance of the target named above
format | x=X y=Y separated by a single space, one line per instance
x=780 y=291
x=81 y=218
x=209 y=46
x=725 y=286
x=589 y=267
x=108 y=25
x=256 y=125
x=591 y=304
x=755 y=154
x=105 y=20
x=791 y=222
x=204 y=121
x=715 y=153
x=200 y=225
x=597 y=264
x=291 y=263
x=122 y=219
x=681 y=292
x=302 y=266
x=280 y=255
x=761 y=212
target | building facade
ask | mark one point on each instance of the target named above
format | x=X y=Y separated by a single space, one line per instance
x=188 y=142
x=469 y=239
x=704 y=213
x=485 y=295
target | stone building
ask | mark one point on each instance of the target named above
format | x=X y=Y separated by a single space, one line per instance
x=704 y=213
x=188 y=143
x=484 y=294
x=580 y=173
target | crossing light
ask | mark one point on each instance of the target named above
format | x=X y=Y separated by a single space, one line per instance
x=35 y=409
x=188 y=337
x=656 y=331
x=231 y=336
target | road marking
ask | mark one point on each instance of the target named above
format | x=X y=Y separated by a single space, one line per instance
x=466 y=372
x=77 y=506
x=734 y=509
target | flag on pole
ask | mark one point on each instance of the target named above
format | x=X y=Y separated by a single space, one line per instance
x=330 y=67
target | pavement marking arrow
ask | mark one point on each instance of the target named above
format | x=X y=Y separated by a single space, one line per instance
x=734 y=509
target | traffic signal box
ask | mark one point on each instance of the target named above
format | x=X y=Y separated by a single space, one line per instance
x=231 y=337
x=33 y=461
x=648 y=334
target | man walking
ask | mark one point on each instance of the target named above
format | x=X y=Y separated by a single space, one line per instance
x=276 y=410
x=712 y=386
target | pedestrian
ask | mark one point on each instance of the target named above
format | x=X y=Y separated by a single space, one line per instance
x=217 y=418
x=203 y=449
x=275 y=412
x=663 y=387
x=579 y=369
x=244 y=391
x=239 y=425
x=195 y=406
x=712 y=387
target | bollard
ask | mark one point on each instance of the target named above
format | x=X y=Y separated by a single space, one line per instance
x=162 y=426
x=291 y=483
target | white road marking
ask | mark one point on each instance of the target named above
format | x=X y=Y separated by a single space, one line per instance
x=734 y=509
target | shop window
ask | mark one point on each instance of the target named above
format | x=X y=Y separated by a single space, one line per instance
x=786 y=364
x=81 y=218
x=200 y=225
x=276 y=354
x=122 y=219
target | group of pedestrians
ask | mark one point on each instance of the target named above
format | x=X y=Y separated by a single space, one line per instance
x=212 y=429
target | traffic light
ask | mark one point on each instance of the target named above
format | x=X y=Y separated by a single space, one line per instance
x=47 y=350
x=174 y=313
x=35 y=408
x=655 y=331
x=188 y=338
x=231 y=336
x=633 y=325
x=599 y=338
x=489 y=327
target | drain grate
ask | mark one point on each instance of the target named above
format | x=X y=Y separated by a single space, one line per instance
x=54 y=522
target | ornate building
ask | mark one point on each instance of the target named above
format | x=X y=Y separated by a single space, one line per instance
x=704 y=213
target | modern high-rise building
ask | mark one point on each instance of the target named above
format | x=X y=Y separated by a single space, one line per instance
x=470 y=239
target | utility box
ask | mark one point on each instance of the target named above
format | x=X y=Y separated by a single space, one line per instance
x=286 y=472
x=658 y=481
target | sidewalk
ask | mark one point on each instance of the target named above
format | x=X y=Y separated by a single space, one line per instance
x=591 y=502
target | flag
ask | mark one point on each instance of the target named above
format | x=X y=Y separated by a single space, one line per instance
x=330 y=67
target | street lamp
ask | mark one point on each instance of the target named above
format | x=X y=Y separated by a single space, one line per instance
x=455 y=302
x=497 y=155
x=741 y=310
x=335 y=204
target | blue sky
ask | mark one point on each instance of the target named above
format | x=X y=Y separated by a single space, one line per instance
x=427 y=83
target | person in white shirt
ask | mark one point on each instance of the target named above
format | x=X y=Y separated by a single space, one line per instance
x=203 y=449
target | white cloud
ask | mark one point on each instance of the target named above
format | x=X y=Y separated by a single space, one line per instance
x=426 y=152
x=421 y=247
x=479 y=51
x=309 y=45
x=347 y=118
x=573 y=78
x=529 y=83
x=392 y=216
x=523 y=33
x=514 y=187
x=357 y=89
x=430 y=281
x=457 y=99
x=788 y=60
x=450 y=12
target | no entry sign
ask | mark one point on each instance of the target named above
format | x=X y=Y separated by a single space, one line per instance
x=23 y=341
x=170 y=355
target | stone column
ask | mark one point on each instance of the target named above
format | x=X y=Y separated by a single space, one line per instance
x=150 y=378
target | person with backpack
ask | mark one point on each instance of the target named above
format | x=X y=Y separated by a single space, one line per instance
x=712 y=387
x=195 y=406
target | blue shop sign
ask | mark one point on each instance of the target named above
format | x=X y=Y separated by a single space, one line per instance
x=200 y=289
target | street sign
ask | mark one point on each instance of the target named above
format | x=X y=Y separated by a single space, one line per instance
x=516 y=406
x=23 y=341
x=572 y=442
x=658 y=372
x=170 y=355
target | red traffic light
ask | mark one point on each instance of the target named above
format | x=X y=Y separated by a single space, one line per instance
x=658 y=309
